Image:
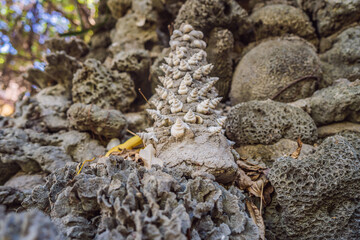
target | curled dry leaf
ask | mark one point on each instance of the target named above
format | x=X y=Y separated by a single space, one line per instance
x=256 y=217
x=297 y=152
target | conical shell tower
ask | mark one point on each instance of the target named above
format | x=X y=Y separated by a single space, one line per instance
x=187 y=97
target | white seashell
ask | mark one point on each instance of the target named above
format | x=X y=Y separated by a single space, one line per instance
x=147 y=137
x=221 y=121
x=176 y=61
x=184 y=66
x=199 y=120
x=174 y=44
x=196 y=34
x=207 y=69
x=198 y=44
x=168 y=82
x=186 y=28
x=162 y=92
x=166 y=69
x=154 y=114
x=193 y=96
x=171 y=97
x=177 y=74
x=176 y=106
x=183 y=89
x=203 y=107
x=187 y=79
x=176 y=33
x=180 y=54
x=112 y=143
x=197 y=75
x=183 y=49
x=214 y=102
x=215 y=129
x=192 y=60
x=187 y=37
x=190 y=117
x=178 y=129
x=207 y=87
x=158 y=104
x=168 y=61
x=201 y=55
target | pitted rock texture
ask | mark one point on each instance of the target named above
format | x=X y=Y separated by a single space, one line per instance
x=27 y=226
x=118 y=7
x=318 y=196
x=334 y=104
x=108 y=123
x=207 y=14
x=266 y=122
x=331 y=15
x=74 y=47
x=342 y=60
x=279 y=20
x=95 y=84
x=58 y=64
x=221 y=45
x=284 y=70
x=187 y=123
x=129 y=202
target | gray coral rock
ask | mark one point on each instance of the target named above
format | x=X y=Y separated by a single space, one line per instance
x=330 y=16
x=207 y=14
x=74 y=47
x=281 y=19
x=266 y=122
x=7 y=170
x=27 y=226
x=128 y=201
x=334 y=104
x=25 y=182
x=95 y=84
x=221 y=45
x=282 y=69
x=108 y=123
x=318 y=196
x=118 y=7
x=11 y=198
x=342 y=59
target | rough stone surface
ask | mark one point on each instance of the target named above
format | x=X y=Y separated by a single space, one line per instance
x=129 y=202
x=207 y=14
x=342 y=60
x=74 y=47
x=7 y=170
x=271 y=69
x=137 y=121
x=334 y=104
x=27 y=226
x=11 y=198
x=269 y=153
x=25 y=182
x=266 y=122
x=332 y=129
x=331 y=15
x=108 y=123
x=95 y=84
x=279 y=20
x=221 y=44
x=118 y=7
x=318 y=196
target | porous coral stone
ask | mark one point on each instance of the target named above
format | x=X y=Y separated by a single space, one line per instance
x=194 y=146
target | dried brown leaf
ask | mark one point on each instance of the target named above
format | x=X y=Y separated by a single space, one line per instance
x=244 y=181
x=256 y=217
x=248 y=166
x=297 y=152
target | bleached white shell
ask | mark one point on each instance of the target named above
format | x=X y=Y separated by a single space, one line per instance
x=154 y=114
x=186 y=37
x=176 y=106
x=183 y=89
x=196 y=34
x=215 y=129
x=168 y=83
x=221 y=121
x=176 y=61
x=162 y=92
x=168 y=61
x=199 y=120
x=200 y=55
x=190 y=117
x=203 y=107
x=174 y=44
x=158 y=104
x=197 y=75
x=186 y=28
x=171 y=97
x=207 y=69
x=198 y=44
x=178 y=129
x=193 y=96
x=147 y=137
x=180 y=54
x=176 y=33
x=177 y=74
x=214 y=102
x=184 y=66
x=187 y=79
x=192 y=60
x=112 y=143
x=166 y=68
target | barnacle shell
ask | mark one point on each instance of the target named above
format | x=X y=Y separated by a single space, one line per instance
x=190 y=117
x=214 y=102
x=162 y=92
x=183 y=89
x=184 y=66
x=193 y=96
x=221 y=121
x=147 y=137
x=176 y=106
x=187 y=79
x=203 y=107
x=178 y=129
x=186 y=28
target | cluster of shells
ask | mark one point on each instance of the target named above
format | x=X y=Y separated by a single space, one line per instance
x=187 y=99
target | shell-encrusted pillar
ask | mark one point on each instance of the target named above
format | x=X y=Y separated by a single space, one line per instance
x=187 y=128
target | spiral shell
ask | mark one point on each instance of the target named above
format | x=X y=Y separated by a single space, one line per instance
x=183 y=89
x=198 y=44
x=199 y=120
x=166 y=69
x=176 y=61
x=171 y=97
x=207 y=69
x=176 y=106
x=203 y=107
x=162 y=92
x=214 y=129
x=154 y=114
x=214 y=102
x=178 y=129
x=193 y=60
x=184 y=66
x=177 y=74
x=197 y=75
x=180 y=54
x=158 y=104
x=196 y=34
x=186 y=28
x=168 y=61
x=174 y=44
x=190 y=117
x=193 y=96
x=221 y=121
x=176 y=33
x=168 y=82
x=187 y=79
x=186 y=37
x=147 y=137
x=200 y=55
